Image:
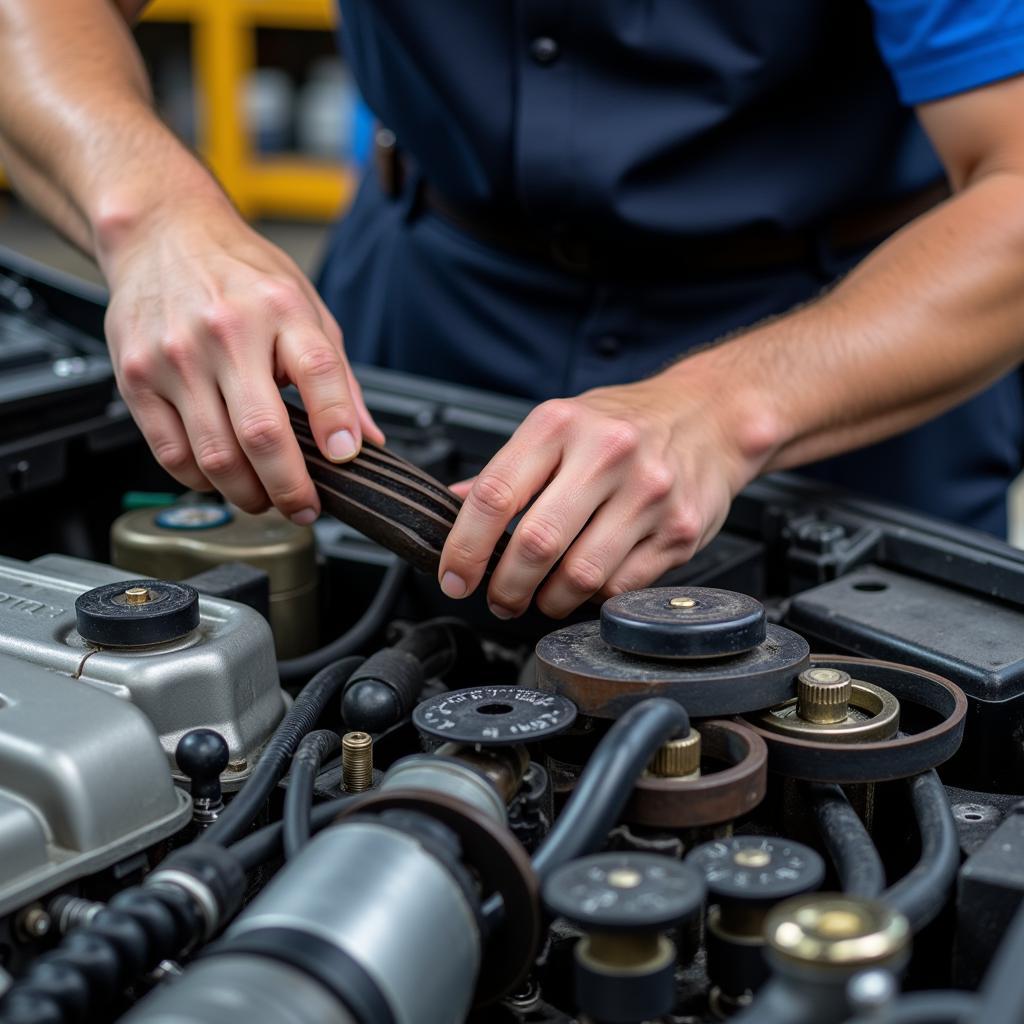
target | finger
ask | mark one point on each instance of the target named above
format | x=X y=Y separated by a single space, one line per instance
x=647 y=562
x=366 y=421
x=164 y=432
x=498 y=494
x=260 y=422
x=463 y=487
x=216 y=449
x=617 y=528
x=545 y=533
x=318 y=369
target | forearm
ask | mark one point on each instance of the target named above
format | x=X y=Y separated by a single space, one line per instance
x=78 y=133
x=927 y=320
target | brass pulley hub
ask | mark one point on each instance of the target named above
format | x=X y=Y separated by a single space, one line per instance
x=831 y=706
x=844 y=724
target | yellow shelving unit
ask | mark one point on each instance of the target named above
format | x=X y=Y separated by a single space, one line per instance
x=223 y=54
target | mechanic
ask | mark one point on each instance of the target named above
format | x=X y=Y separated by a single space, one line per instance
x=582 y=194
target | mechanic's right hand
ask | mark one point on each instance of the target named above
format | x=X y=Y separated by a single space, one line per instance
x=206 y=319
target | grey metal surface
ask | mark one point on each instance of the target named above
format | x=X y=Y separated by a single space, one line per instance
x=83 y=781
x=376 y=894
x=448 y=776
x=223 y=675
x=240 y=990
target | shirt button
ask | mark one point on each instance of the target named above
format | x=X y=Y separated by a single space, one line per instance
x=544 y=50
x=609 y=346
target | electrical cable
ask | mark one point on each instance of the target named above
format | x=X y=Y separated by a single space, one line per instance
x=847 y=841
x=238 y=816
x=606 y=783
x=293 y=670
x=298 y=797
x=266 y=843
x=921 y=894
x=943 y=1006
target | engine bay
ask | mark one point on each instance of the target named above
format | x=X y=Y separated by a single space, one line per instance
x=251 y=771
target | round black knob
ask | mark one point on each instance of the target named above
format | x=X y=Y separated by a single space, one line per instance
x=137 y=613
x=683 y=622
x=202 y=755
x=757 y=869
x=616 y=892
x=494 y=715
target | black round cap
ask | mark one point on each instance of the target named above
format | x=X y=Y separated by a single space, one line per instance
x=683 y=622
x=494 y=715
x=624 y=892
x=202 y=754
x=761 y=869
x=136 y=613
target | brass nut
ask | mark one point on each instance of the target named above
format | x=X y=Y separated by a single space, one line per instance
x=823 y=695
x=137 y=595
x=357 y=761
x=833 y=931
x=678 y=759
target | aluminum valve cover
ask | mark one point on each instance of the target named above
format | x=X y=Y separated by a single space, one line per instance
x=223 y=675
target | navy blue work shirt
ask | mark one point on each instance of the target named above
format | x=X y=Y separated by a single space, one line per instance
x=642 y=119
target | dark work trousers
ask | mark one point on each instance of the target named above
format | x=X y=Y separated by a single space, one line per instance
x=413 y=292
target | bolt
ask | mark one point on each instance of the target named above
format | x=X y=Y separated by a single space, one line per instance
x=238 y=766
x=682 y=602
x=357 y=761
x=752 y=858
x=137 y=595
x=678 y=759
x=33 y=923
x=624 y=878
x=823 y=695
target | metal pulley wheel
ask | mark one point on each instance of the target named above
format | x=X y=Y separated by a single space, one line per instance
x=843 y=725
x=711 y=650
x=734 y=789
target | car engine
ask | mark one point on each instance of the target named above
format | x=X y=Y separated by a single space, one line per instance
x=251 y=771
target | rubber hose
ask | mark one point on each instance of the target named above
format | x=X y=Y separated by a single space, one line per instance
x=921 y=894
x=238 y=816
x=851 y=848
x=943 y=1006
x=1001 y=998
x=606 y=783
x=266 y=843
x=371 y=622
x=441 y=644
x=298 y=797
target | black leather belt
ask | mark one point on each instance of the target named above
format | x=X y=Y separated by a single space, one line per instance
x=665 y=258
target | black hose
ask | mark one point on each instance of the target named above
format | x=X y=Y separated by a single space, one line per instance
x=943 y=1006
x=851 y=848
x=921 y=894
x=266 y=843
x=298 y=797
x=606 y=783
x=239 y=815
x=293 y=670
x=1001 y=997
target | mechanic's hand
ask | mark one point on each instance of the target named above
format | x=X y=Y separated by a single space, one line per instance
x=629 y=482
x=206 y=319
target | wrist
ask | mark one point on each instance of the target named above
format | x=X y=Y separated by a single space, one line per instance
x=137 y=209
x=742 y=402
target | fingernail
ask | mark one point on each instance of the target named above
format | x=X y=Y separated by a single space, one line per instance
x=341 y=446
x=307 y=517
x=453 y=585
x=501 y=613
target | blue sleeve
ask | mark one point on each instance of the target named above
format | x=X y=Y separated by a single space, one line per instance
x=936 y=48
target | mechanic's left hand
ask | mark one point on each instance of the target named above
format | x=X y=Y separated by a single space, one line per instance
x=629 y=481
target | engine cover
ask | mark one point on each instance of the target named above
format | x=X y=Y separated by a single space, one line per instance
x=87 y=735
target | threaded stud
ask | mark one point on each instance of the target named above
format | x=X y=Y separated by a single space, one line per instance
x=678 y=759
x=357 y=761
x=823 y=695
